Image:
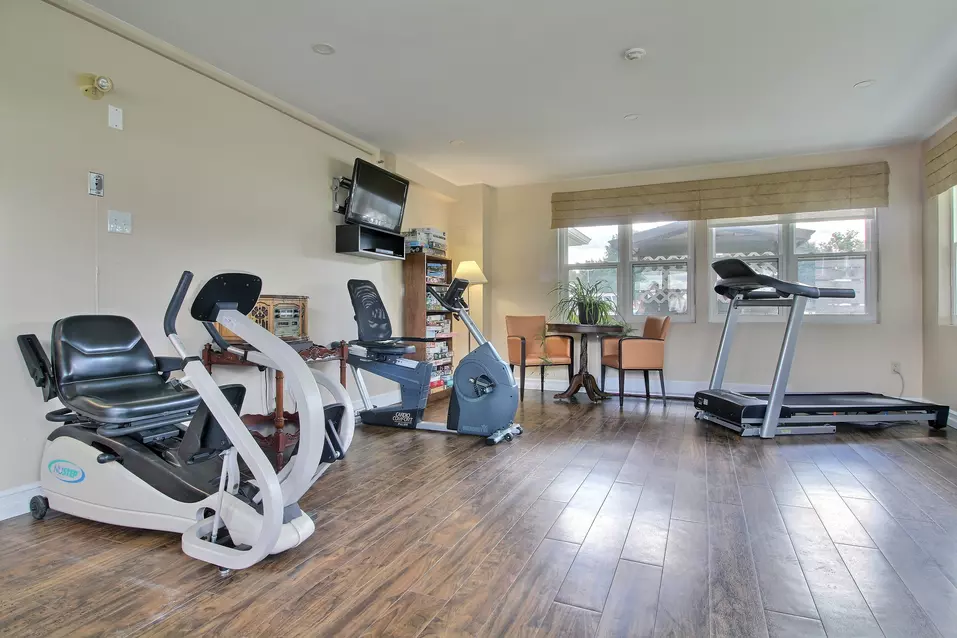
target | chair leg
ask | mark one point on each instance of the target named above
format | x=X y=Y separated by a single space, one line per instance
x=604 y=368
x=647 y=388
x=571 y=372
x=621 y=387
x=511 y=368
x=521 y=383
x=542 y=368
x=661 y=377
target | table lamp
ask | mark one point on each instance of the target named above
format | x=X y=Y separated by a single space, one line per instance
x=470 y=270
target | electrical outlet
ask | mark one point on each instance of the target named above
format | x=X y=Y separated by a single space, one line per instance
x=895 y=367
x=119 y=222
x=96 y=184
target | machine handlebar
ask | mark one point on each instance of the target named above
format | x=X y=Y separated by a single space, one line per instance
x=214 y=334
x=452 y=294
x=176 y=303
x=841 y=293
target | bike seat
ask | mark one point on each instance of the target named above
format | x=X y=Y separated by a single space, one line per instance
x=385 y=347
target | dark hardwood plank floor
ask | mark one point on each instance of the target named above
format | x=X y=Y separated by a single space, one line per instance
x=596 y=522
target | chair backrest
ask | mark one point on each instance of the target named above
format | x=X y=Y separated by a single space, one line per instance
x=531 y=327
x=656 y=328
x=91 y=347
x=371 y=317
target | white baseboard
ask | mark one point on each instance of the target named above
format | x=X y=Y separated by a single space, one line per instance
x=675 y=389
x=16 y=500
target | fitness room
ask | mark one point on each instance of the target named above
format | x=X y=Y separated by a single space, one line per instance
x=459 y=318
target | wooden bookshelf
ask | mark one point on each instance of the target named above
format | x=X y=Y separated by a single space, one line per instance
x=415 y=312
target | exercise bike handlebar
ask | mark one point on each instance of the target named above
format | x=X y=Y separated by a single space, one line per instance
x=176 y=303
x=443 y=298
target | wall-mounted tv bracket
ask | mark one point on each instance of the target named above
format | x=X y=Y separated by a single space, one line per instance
x=343 y=184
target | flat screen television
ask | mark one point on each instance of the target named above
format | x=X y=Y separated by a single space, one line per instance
x=377 y=198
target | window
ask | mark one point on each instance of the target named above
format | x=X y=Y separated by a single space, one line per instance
x=653 y=277
x=832 y=250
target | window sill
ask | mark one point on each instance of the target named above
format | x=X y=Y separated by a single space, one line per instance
x=639 y=320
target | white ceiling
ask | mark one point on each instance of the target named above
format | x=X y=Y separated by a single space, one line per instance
x=537 y=89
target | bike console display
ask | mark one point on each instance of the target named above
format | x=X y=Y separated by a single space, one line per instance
x=452 y=299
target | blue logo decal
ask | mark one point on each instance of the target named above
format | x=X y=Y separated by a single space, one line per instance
x=66 y=471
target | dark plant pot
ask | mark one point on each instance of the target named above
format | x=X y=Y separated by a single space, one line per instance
x=587 y=315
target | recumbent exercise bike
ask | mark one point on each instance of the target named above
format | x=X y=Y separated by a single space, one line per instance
x=484 y=393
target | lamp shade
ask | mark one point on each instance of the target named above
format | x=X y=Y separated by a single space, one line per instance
x=471 y=271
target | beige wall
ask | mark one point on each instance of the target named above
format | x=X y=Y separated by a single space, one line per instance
x=214 y=180
x=522 y=263
x=940 y=337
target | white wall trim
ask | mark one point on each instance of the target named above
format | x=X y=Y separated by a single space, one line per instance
x=635 y=384
x=16 y=500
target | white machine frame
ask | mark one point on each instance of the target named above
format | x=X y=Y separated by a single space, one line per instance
x=112 y=494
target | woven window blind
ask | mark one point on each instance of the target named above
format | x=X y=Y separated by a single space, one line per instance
x=822 y=189
x=940 y=167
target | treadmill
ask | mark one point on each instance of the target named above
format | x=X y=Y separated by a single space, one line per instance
x=778 y=411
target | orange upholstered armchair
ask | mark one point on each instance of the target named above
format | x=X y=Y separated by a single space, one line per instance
x=644 y=353
x=528 y=345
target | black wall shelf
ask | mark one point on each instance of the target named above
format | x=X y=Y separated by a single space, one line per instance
x=353 y=239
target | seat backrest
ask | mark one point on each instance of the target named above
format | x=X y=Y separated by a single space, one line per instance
x=371 y=317
x=656 y=328
x=90 y=347
x=531 y=327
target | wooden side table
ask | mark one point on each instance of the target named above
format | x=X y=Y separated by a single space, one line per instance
x=273 y=431
x=583 y=378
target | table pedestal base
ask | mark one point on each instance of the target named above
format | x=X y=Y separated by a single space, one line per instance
x=590 y=384
x=583 y=378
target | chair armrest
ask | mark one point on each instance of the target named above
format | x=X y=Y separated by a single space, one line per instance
x=609 y=344
x=165 y=365
x=639 y=353
x=516 y=349
x=565 y=345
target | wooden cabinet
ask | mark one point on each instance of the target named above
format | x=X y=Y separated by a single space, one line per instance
x=286 y=316
x=420 y=319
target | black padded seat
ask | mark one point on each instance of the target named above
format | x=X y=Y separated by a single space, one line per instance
x=106 y=372
x=385 y=347
x=128 y=399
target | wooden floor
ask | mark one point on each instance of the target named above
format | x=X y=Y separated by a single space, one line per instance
x=595 y=523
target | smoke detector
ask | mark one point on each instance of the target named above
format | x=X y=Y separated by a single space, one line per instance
x=634 y=53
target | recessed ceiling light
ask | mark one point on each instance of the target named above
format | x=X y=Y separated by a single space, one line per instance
x=456 y=142
x=863 y=84
x=634 y=53
x=631 y=117
x=323 y=48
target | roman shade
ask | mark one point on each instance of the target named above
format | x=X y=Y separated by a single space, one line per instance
x=821 y=189
x=940 y=166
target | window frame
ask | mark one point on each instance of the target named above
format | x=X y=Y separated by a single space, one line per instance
x=624 y=267
x=789 y=259
x=951 y=194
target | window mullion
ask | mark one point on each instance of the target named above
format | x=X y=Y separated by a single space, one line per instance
x=625 y=302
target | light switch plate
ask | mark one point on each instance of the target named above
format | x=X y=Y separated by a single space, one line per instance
x=96 y=184
x=115 y=117
x=119 y=222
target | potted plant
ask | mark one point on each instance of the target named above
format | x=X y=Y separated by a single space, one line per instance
x=585 y=303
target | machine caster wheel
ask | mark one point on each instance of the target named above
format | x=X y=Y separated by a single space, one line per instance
x=225 y=573
x=39 y=505
x=519 y=431
x=508 y=436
